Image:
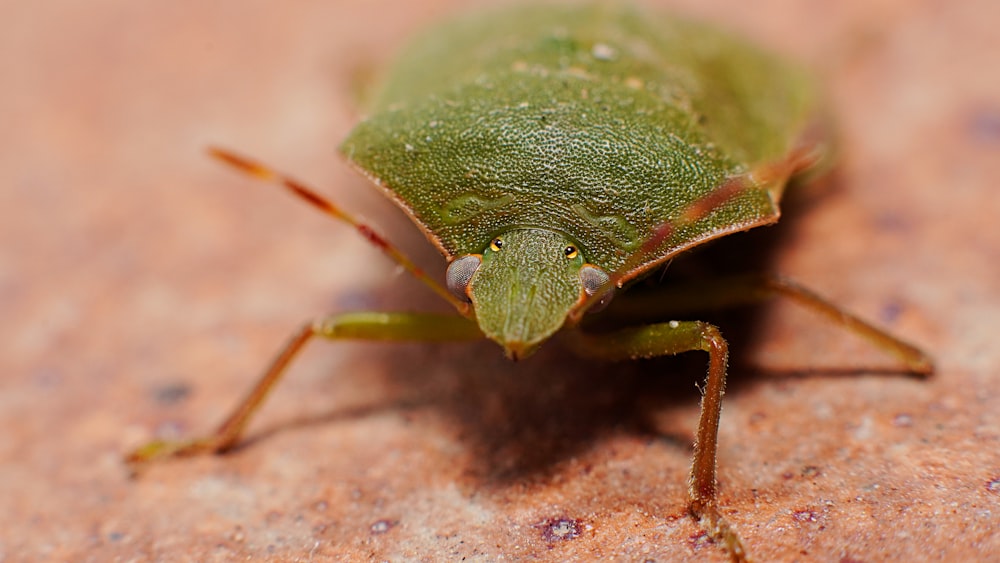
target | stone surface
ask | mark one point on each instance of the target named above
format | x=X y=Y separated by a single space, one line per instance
x=143 y=288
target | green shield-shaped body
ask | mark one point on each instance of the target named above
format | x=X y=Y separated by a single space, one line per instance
x=599 y=123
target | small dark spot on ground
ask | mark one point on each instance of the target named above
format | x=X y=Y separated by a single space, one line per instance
x=890 y=312
x=560 y=529
x=811 y=471
x=805 y=516
x=171 y=393
x=984 y=127
x=993 y=485
x=699 y=540
x=382 y=526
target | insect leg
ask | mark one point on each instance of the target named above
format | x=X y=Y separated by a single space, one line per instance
x=262 y=172
x=423 y=327
x=753 y=288
x=663 y=339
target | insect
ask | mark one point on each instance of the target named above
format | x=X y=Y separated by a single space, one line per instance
x=554 y=155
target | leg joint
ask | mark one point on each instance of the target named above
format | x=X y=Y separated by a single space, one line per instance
x=712 y=340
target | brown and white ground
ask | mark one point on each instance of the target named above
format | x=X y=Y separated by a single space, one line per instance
x=143 y=287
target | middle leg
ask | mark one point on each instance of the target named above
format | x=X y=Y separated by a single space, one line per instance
x=675 y=337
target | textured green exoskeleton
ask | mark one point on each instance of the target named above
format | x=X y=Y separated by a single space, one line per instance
x=598 y=124
x=553 y=154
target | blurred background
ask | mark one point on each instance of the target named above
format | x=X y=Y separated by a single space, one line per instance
x=143 y=288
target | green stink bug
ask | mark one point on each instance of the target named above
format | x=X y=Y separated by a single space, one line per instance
x=556 y=154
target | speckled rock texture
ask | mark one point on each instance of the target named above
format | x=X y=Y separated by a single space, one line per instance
x=143 y=288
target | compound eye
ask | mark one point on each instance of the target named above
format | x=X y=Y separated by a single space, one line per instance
x=594 y=279
x=496 y=244
x=460 y=273
x=571 y=252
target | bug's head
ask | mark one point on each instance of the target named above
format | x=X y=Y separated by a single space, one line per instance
x=523 y=286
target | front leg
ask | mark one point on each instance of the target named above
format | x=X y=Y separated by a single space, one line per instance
x=675 y=337
x=418 y=327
